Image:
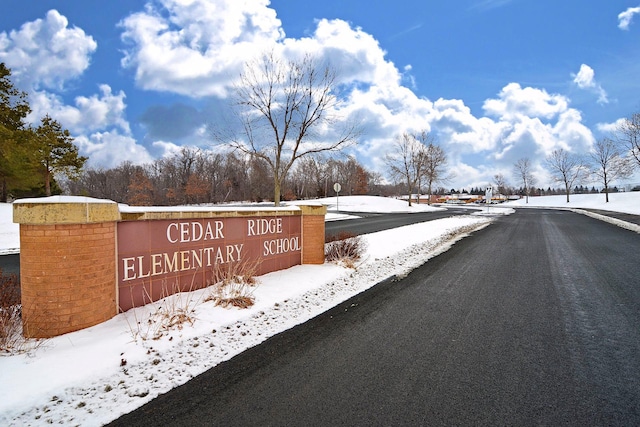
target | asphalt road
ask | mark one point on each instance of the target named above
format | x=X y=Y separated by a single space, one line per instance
x=534 y=320
x=374 y=222
x=10 y=264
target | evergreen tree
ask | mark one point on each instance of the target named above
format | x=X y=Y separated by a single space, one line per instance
x=54 y=152
x=14 y=107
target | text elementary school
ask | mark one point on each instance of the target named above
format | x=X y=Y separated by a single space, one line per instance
x=83 y=260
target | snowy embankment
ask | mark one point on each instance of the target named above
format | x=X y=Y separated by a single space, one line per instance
x=91 y=377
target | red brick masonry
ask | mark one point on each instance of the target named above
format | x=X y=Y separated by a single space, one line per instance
x=69 y=272
x=313 y=239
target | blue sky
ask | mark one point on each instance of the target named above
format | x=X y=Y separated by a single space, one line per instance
x=493 y=80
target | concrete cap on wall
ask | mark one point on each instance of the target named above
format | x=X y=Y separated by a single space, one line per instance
x=138 y=213
x=64 y=210
x=310 y=209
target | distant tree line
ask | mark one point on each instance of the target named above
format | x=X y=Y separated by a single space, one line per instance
x=196 y=176
x=537 y=191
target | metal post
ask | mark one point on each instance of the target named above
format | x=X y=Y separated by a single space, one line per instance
x=337 y=187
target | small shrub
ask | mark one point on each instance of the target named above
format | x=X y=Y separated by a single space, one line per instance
x=9 y=289
x=11 y=329
x=10 y=313
x=173 y=311
x=233 y=284
x=12 y=340
x=344 y=247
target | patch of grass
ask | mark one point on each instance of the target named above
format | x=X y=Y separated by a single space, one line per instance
x=346 y=248
x=12 y=340
x=10 y=313
x=172 y=312
x=233 y=284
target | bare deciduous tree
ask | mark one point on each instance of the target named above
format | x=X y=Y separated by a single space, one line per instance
x=351 y=175
x=286 y=108
x=259 y=179
x=407 y=160
x=523 y=172
x=306 y=178
x=628 y=134
x=501 y=183
x=610 y=164
x=140 y=191
x=566 y=168
x=435 y=164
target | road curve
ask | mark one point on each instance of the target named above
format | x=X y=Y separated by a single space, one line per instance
x=374 y=222
x=534 y=320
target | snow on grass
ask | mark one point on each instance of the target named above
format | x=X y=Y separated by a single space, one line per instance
x=343 y=207
x=370 y=204
x=628 y=202
x=9 y=232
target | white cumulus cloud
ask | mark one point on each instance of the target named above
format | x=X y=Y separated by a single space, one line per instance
x=625 y=18
x=514 y=101
x=46 y=53
x=196 y=48
x=585 y=79
x=43 y=56
x=89 y=114
x=109 y=149
x=610 y=128
x=533 y=123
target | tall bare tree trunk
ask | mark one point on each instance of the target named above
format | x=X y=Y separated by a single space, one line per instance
x=276 y=190
x=47 y=183
x=3 y=190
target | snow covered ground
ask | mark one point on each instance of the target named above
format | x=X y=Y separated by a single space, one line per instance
x=618 y=202
x=91 y=377
x=9 y=232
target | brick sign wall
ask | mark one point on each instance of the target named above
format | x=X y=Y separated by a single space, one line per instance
x=82 y=260
x=160 y=257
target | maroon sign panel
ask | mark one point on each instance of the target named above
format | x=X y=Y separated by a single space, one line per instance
x=157 y=258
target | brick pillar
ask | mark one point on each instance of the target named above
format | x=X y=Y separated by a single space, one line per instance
x=67 y=263
x=313 y=234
